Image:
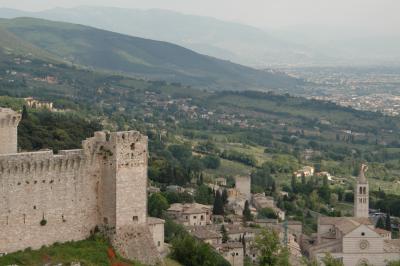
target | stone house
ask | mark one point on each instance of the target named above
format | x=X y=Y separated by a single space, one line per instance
x=207 y=235
x=261 y=201
x=220 y=181
x=190 y=214
x=156 y=227
x=232 y=251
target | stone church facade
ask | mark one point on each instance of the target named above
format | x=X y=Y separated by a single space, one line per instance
x=354 y=240
x=47 y=198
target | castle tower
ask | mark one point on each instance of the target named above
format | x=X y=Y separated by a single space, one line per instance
x=122 y=157
x=361 y=194
x=9 y=121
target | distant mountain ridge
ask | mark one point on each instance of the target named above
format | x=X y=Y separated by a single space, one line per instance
x=300 y=45
x=148 y=59
x=226 y=40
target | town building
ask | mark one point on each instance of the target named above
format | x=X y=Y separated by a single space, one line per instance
x=206 y=234
x=355 y=240
x=232 y=252
x=261 y=201
x=190 y=214
x=306 y=171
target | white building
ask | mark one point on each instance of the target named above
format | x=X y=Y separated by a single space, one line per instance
x=355 y=240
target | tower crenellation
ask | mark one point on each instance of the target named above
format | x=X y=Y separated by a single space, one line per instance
x=9 y=121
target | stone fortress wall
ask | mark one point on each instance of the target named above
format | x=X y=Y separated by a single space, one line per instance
x=47 y=198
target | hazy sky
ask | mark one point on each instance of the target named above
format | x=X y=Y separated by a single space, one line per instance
x=374 y=15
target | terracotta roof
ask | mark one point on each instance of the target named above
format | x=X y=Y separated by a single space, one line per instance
x=381 y=231
x=176 y=207
x=229 y=245
x=266 y=221
x=204 y=233
x=194 y=211
x=237 y=229
x=154 y=220
x=295 y=222
x=345 y=224
x=189 y=208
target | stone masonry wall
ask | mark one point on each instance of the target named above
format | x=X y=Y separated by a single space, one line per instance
x=40 y=187
x=47 y=198
x=131 y=179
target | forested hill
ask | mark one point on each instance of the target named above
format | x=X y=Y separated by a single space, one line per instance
x=105 y=50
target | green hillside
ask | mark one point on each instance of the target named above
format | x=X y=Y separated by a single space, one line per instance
x=94 y=251
x=11 y=44
x=139 y=57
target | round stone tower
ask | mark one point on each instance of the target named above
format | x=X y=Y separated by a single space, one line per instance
x=9 y=121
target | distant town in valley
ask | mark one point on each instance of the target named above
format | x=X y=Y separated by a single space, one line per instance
x=372 y=88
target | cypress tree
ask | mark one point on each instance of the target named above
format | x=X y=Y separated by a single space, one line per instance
x=247 y=213
x=294 y=184
x=388 y=223
x=218 y=208
x=225 y=196
x=243 y=240
x=380 y=223
x=224 y=234
x=273 y=186
x=24 y=112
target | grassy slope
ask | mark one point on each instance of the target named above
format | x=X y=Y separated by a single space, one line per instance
x=152 y=59
x=10 y=43
x=170 y=262
x=91 y=252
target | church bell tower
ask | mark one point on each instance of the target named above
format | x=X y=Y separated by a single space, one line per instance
x=361 y=194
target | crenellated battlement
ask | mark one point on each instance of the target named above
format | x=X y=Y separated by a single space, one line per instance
x=101 y=185
x=34 y=163
x=9 y=118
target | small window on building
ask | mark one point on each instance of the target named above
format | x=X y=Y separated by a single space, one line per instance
x=202 y=218
x=132 y=146
x=135 y=218
x=363 y=234
x=194 y=217
x=187 y=217
x=159 y=243
x=105 y=220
